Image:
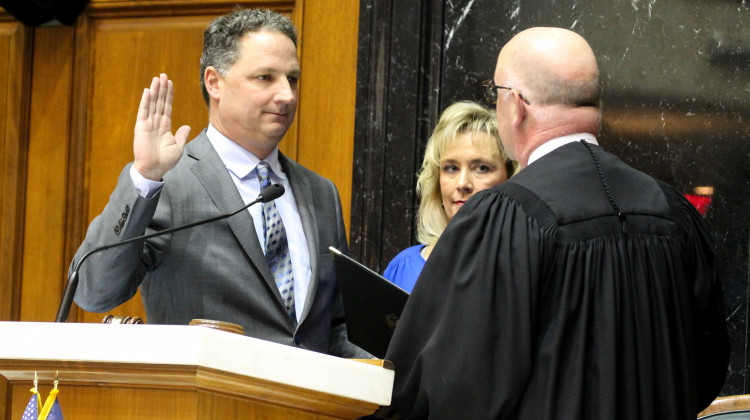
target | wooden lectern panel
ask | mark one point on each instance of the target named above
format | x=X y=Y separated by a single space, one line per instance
x=96 y=400
x=186 y=372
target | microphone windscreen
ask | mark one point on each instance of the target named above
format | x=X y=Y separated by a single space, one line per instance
x=271 y=193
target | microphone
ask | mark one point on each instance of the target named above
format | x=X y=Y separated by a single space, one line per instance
x=269 y=193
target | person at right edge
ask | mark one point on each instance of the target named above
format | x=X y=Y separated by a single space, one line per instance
x=581 y=288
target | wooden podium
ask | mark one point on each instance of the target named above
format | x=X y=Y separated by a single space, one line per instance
x=182 y=372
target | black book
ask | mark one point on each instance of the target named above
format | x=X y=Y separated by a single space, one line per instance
x=372 y=304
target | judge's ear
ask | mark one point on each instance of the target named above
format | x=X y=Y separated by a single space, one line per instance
x=519 y=108
x=214 y=82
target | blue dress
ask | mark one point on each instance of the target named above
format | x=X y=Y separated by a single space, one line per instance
x=404 y=269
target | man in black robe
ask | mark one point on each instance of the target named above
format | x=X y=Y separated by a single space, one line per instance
x=579 y=289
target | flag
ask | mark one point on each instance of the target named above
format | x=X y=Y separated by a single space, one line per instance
x=51 y=409
x=32 y=409
x=56 y=413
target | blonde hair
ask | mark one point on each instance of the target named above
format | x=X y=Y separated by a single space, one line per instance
x=461 y=117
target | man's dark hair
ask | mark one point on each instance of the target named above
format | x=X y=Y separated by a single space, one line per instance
x=221 y=40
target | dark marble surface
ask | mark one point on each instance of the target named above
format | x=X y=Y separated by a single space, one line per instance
x=676 y=80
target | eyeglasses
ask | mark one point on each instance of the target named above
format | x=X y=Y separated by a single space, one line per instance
x=490 y=92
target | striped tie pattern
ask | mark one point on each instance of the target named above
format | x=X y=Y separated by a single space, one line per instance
x=277 y=248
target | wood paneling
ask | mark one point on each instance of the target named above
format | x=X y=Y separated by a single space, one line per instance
x=328 y=92
x=134 y=403
x=15 y=65
x=92 y=402
x=49 y=138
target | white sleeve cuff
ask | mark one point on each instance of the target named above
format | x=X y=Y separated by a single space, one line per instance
x=145 y=187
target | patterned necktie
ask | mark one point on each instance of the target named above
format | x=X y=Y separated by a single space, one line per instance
x=277 y=248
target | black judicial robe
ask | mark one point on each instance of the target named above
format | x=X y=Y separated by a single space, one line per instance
x=538 y=302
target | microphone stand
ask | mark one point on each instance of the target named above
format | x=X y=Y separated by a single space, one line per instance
x=269 y=193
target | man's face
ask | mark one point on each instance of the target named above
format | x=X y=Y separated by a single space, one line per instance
x=256 y=99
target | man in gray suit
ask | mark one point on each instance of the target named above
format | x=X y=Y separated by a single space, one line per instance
x=218 y=271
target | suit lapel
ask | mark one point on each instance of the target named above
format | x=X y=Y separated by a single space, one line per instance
x=213 y=175
x=303 y=197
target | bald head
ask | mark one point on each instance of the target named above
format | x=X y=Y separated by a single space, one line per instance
x=551 y=66
x=555 y=69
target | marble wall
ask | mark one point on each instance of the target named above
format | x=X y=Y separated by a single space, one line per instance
x=676 y=80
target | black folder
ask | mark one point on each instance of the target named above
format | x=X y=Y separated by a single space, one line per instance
x=372 y=304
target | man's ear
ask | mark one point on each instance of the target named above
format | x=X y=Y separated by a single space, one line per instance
x=214 y=82
x=519 y=108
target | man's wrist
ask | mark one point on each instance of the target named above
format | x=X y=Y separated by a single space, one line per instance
x=145 y=187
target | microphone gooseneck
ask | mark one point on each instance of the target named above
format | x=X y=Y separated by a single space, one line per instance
x=269 y=193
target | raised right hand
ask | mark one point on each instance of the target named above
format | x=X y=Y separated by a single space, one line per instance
x=155 y=148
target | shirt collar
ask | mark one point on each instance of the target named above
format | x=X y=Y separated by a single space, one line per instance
x=553 y=144
x=238 y=160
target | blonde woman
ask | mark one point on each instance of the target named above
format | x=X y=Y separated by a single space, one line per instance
x=463 y=156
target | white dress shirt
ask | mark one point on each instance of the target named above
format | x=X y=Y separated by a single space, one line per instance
x=241 y=166
x=559 y=142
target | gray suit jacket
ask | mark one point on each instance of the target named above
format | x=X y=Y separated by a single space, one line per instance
x=215 y=271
